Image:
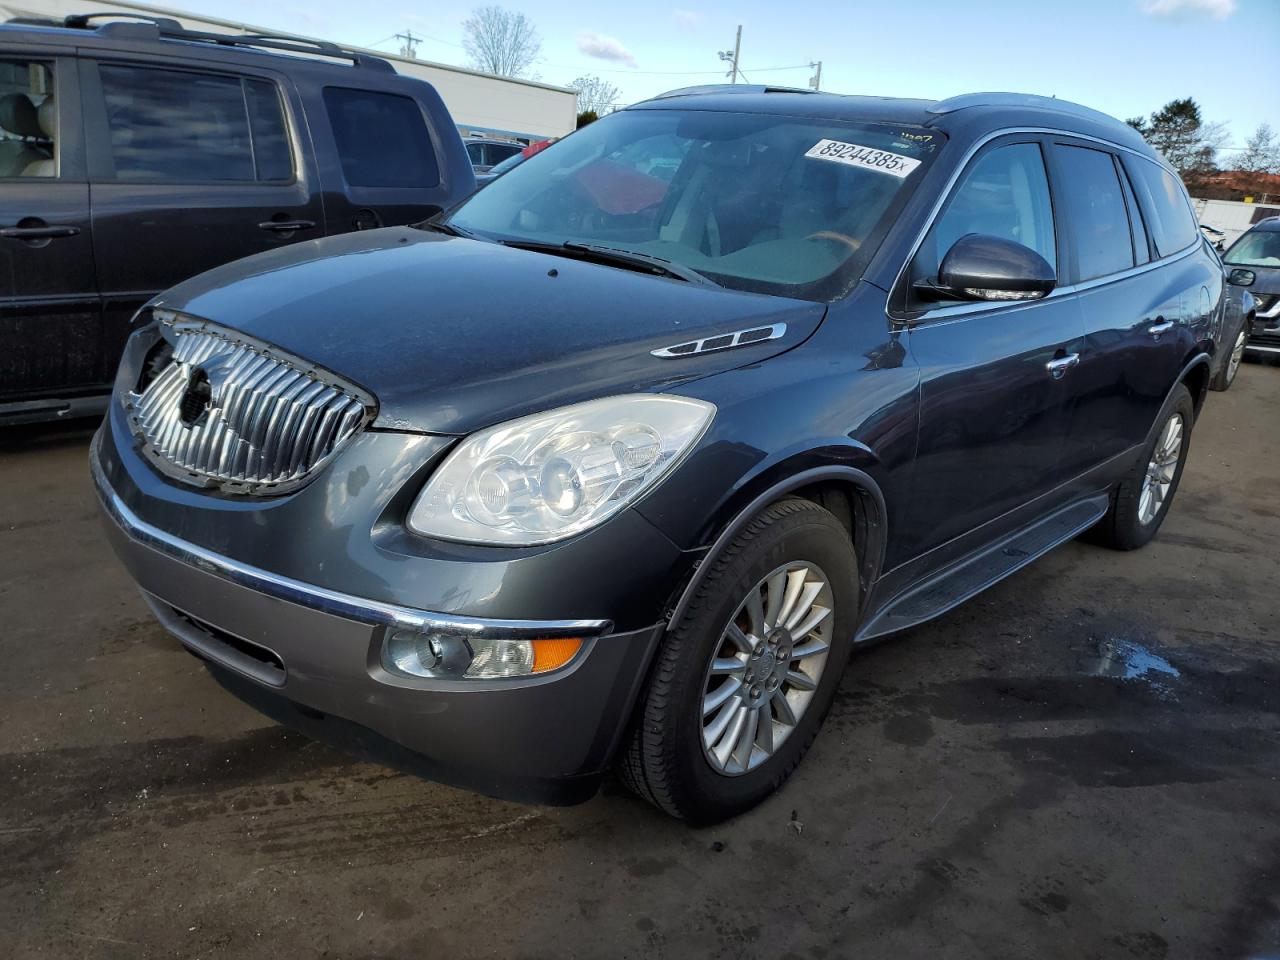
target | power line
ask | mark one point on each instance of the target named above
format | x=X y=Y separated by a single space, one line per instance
x=410 y=46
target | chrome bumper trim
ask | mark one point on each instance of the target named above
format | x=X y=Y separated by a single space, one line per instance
x=327 y=601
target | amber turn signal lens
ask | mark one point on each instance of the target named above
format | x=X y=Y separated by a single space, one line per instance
x=550 y=654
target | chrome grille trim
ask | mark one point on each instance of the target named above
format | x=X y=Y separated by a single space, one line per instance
x=269 y=420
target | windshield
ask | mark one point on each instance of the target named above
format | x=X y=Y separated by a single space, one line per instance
x=784 y=205
x=1258 y=248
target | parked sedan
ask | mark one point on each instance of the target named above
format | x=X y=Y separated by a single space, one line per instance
x=494 y=172
x=791 y=372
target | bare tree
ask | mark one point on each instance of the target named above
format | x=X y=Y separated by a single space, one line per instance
x=595 y=95
x=1261 y=152
x=499 y=41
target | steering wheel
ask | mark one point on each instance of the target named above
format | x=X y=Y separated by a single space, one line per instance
x=853 y=243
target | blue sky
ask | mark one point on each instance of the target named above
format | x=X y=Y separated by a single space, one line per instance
x=1125 y=57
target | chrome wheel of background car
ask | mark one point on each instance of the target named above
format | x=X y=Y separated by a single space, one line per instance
x=1237 y=354
x=764 y=671
x=1161 y=469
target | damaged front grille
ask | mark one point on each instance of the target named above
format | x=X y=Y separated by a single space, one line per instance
x=224 y=411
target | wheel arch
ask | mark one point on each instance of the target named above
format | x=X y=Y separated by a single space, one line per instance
x=1196 y=374
x=851 y=494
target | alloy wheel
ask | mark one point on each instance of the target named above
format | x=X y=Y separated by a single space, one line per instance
x=1237 y=354
x=1161 y=469
x=766 y=667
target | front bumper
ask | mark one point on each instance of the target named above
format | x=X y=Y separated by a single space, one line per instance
x=1265 y=335
x=309 y=656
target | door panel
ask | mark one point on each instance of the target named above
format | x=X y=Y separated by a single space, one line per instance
x=993 y=416
x=1138 y=322
x=189 y=170
x=997 y=385
x=50 y=316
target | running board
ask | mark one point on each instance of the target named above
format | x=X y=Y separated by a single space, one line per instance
x=975 y=573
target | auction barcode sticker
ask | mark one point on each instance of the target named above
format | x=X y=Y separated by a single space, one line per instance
x=867 y=157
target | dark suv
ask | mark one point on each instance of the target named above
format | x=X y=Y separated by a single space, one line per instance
x=791 y=372
x=137 y=154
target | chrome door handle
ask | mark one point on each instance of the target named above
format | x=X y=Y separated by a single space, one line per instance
x=1058 y=367
x=286 y=226
x=1163 y=326
x=45 y=232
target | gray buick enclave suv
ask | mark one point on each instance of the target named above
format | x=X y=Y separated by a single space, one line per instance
x=791 y=372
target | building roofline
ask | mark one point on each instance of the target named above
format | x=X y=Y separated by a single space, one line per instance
x=249 y=28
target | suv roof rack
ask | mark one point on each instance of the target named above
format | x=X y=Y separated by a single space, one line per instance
x=147 y=27
x=729 y=88
x=965 y=100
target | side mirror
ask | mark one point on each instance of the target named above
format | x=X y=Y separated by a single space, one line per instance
x=1240 y=277
x=981 y=267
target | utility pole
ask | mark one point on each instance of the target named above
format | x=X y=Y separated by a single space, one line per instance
x=731 y=57
x=410 y=46
x=815 y=82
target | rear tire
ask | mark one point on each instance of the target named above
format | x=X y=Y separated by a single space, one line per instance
x=1141 y=500
x=735 y=697
x=1226 y=375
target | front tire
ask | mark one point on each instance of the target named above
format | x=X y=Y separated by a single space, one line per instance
x=1141 y=500
x=741 y=684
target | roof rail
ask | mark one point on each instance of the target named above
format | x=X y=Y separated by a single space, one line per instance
x=965 y=100
x=728 y=88
x=171 y=29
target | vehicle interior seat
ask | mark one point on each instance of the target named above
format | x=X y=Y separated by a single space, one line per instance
x=47 y=118
x=19 y=124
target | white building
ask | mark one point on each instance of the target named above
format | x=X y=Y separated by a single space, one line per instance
x=1232 y=217
x=479 y=102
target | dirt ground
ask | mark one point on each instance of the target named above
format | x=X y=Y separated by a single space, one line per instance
x=1083 y=762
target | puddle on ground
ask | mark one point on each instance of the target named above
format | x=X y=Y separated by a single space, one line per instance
x=1126 y=660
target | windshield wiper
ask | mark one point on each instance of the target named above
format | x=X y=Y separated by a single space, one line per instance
x=444 y=226
x=617 y=257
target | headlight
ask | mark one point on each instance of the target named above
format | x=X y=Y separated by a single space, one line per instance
x=549 y=476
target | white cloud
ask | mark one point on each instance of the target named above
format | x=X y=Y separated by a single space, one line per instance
x=1218 y=9
x=605 y=48
x=686 y=18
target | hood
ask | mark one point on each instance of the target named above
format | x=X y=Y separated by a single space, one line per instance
x=452 y=334
x=1267 y=279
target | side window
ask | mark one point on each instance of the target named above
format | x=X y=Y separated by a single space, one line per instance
x=382 y=139
x=28 y=120
x=475 y=153
x=1090 y=192
x=178 y=127
x=500 y=152
x=1141 y=239
x=1164 y=202
x=1004 y=193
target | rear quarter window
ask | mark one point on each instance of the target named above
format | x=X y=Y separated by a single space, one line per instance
x=1164 y=204
x=382 y=139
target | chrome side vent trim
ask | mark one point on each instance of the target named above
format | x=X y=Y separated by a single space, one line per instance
x=241 y=416
x=722 y=341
